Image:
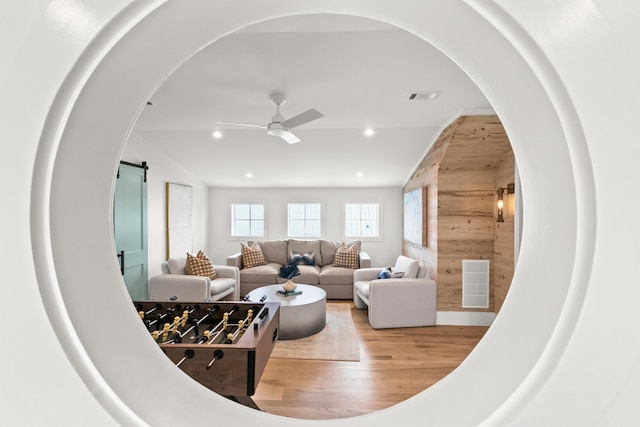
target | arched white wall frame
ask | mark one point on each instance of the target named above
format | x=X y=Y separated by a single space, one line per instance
x=89 y=124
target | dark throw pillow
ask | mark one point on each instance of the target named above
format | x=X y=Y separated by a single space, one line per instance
x=306 y=259
x=385 y=274
x=309 y=258
x=294 y=258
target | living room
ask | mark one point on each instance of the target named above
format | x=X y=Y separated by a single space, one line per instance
x=463 y=142
x=174 y=133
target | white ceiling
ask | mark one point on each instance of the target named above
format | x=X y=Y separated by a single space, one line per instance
x=355 y=71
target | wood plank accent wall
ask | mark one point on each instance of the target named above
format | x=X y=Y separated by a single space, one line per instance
x=503 y=248
x=462 y=171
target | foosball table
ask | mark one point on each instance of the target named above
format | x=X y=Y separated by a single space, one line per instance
x=224 y=346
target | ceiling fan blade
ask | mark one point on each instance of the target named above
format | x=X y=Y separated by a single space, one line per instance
x=302 y=118
x=290 y=138
x=243 y=124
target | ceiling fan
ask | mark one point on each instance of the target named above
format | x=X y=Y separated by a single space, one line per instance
x=279 y=126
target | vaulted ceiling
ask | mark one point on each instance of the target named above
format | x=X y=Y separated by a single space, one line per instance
x=357 y=72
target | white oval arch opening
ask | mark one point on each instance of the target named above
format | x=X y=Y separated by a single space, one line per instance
x=517 y=93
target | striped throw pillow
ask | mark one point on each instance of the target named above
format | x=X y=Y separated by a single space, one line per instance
x=252 y=256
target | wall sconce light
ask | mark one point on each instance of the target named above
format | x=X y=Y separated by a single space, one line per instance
x=510 y=189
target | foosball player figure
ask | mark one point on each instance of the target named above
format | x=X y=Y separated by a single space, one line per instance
x=185 y=317
x=240 y=327
x=165 y=331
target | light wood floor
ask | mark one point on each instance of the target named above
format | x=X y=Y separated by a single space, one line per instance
x=394 y=365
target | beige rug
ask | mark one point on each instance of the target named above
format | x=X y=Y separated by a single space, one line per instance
x=337 y=341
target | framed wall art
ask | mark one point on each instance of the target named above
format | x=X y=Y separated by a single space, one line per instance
x=179 y=219
x=415 y=216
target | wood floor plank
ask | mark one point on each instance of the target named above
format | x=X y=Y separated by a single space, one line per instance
x=395 y=364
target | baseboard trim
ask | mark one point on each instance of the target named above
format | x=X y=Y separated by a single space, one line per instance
x=465 y=318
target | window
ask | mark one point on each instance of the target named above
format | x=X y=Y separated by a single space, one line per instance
x=247 y=220
x=361 y=220
x=304 y=220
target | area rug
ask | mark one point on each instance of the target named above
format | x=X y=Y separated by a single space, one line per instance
x=337 y=341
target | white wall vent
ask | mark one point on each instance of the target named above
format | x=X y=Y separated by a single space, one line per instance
x=475 y=283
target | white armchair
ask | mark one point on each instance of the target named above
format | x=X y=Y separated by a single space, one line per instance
x=175 y=284
x=396 y=302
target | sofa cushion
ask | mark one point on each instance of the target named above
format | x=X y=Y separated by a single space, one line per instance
x=221 y=284
x=200 y=265
x=263 y=274
x=177 y=265
x=252 y=256
x=309 y=275
x=331 y=275
x=327 y=252
x=363 y=288
x=408 y=266
x=273 y=250
x=347 y=256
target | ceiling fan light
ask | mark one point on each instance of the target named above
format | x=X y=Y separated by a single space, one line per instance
x=277 y=132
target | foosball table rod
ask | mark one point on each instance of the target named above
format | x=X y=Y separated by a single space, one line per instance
x=188 y=354
x=218 y=354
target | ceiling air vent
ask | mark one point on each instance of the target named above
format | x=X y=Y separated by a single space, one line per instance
x=423 y=96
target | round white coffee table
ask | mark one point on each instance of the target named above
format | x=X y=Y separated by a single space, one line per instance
x=300 y=315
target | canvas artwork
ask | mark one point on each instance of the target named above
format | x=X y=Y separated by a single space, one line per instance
x=179 y=221
x=415 y=216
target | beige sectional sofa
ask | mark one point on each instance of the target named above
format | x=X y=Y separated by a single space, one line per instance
x=328 y=272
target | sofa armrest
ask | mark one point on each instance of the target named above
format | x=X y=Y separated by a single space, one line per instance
x=163 y=287
x=235 y=260
x=366 y=274
x=230 y=272
x=365 y=260
x=396 y=303
x=227 y=271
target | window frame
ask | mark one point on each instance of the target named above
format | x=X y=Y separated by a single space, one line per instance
x=322 y=219
x=343 y=221
x=232 y=221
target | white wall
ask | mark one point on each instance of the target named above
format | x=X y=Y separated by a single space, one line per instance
x=163 y=169
x=211 y=209
x=383 y=252
x=579 y=363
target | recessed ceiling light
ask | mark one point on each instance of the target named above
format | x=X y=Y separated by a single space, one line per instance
x=217 y=134
x=360 y=174
x=249 y=175
x=424 y=95
x=369 y=132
